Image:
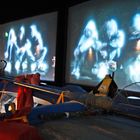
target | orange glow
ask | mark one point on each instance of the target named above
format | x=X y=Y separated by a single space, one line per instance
x=90 y=54
x=37 y=50
x=138 y=46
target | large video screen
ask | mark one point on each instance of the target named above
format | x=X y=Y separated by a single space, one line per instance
x=30 y=44
x=104 y=38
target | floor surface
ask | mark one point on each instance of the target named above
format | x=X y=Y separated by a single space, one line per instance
x=95 y=127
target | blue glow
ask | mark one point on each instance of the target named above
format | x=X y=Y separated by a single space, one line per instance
x=30 y=44
x=136 y=22
x=27 y=55
x=105 y=39
x=109 y=50
x=135 y=29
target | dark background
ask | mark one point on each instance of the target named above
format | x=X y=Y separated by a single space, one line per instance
x=14 y=10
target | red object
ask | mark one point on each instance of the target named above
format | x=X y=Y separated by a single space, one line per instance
x=25 y=98
x=18 y=131
x=13 y=129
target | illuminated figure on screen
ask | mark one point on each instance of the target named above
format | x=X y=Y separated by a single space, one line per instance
x=40 y=51
x=25 y=55
x=11 y=49
x=88 y=40
x=115 y=40
x=11 y=44
x=135 y=29
x=110 y=52
x=22 y=32
x=133 y=67
x=25 y=51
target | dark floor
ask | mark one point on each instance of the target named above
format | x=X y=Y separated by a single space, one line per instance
x=99 y=127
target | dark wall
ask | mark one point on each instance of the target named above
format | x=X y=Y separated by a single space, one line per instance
x=10 y=11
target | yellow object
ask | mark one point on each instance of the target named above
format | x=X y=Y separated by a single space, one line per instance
x=61 y=98
x=100 y=94
x=12 y=107
x=104 y=87
x=21 y=118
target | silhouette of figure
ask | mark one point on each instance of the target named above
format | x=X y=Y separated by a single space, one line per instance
x=25 y=55
x=11 y=51
x=40 y=51
x=88 y=40
x=115 y=39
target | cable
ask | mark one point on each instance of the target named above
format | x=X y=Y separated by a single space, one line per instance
x=130 y=85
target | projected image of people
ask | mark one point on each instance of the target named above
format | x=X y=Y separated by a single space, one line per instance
x=114 y=41
x=135 y=28
x=106 y=52
x=40 y=51
x=89 y=41
x=133 y=63
x=12 y=46
x=104 y=40
x=25 y=51
x=30 y=45
x=24 y=54
x=115 y=38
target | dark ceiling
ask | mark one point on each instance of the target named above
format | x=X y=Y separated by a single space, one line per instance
x=11 y=11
